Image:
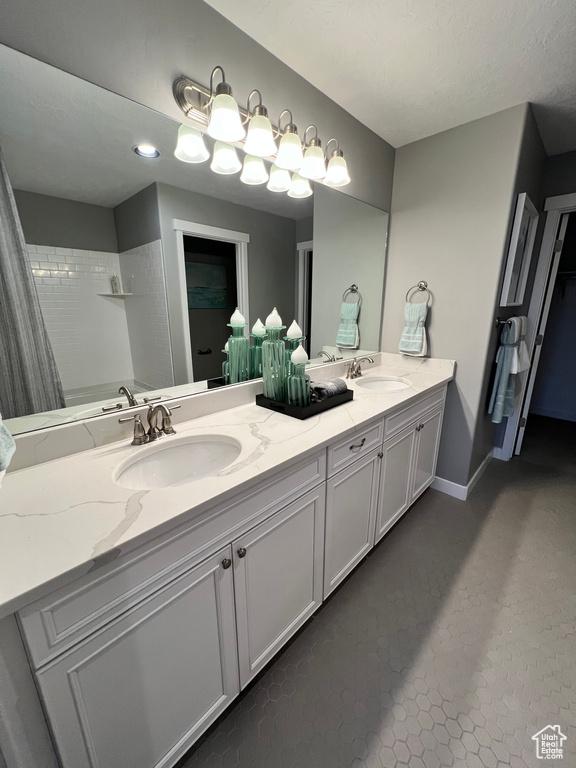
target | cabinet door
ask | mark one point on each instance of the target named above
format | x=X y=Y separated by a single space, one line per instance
x=395 y=479
x=427 y=442
x=278 y=570
x=141 y=691
x=351 y=499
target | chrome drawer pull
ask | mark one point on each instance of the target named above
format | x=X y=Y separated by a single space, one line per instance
x=360 y=444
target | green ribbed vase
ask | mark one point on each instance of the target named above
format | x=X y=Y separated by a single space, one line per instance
x=298 y=386
x=238 y=355
x=274 y=365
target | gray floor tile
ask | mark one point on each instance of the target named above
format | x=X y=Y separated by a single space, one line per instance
x=450 y=646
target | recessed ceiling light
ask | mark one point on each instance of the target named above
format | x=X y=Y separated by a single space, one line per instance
x=146 y=150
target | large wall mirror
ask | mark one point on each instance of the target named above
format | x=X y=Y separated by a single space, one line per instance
x=187 y=245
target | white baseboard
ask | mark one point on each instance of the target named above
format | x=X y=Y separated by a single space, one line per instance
x=461 y=491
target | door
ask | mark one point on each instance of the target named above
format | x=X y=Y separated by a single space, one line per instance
x=351 y=500
x=541 y=331
x=140 y=692
x=212 y=298
x=395 y=479
x=426 y=451
x=278 y=569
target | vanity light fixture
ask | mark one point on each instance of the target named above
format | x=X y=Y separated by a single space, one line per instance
x=225 y=160
x=225 y=123
x=290 y=156
x=254 y=171
x=314 y=165
x=337 y=173
x=300 y=187
x=260 y=138
x=280 y=180
x=146 y=150
x=214 y=111
x=190 y=147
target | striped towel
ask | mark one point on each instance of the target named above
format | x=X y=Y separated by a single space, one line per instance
x=348 y=334
x=413 y=340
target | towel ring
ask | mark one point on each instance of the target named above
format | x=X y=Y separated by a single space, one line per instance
x=422 y=286
x=353 y=289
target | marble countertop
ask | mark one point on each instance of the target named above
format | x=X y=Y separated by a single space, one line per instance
x=59 y=518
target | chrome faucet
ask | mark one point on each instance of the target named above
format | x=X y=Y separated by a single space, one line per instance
x=329 y=358
x=154 y=413
x=131 y=399
x=354 y=369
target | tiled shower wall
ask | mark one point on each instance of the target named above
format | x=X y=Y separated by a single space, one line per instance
x=88 y=332
x=99 y=339
x=147 y=315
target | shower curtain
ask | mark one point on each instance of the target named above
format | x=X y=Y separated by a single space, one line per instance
x=29 y=379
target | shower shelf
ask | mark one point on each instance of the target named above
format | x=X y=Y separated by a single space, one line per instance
x=116 y=295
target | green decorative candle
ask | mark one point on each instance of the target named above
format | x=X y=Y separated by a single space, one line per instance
x=294 y=337
x=226 y=366
x=298 y=385
x=238 y=349
x=274 y=359
x=258 y=334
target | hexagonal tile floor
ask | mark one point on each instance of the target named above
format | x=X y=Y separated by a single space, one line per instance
x=451 y=645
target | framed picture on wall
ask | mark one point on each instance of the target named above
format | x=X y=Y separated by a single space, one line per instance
x=519 y=252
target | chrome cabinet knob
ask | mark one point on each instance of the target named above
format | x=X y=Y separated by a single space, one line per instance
x=241 y=552
x=226 y=563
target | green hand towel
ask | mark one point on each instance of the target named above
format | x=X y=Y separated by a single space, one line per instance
x=413 y=340
x=348 y=334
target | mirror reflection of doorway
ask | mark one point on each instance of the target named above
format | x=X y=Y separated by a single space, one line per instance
x=212 y=298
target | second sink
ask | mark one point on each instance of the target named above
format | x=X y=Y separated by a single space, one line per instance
x=383 y=383
x=177 y=461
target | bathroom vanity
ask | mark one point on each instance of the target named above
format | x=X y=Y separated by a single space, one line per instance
x=145 y=612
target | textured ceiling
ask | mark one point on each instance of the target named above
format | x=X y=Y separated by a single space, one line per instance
x=412 y=68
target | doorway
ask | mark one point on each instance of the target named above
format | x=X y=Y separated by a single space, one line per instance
x=550 y=436
x=304 y=289
x=212 y=298
x=549 y=281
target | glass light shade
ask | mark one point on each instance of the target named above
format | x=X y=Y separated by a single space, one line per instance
x=299 y=187
x=337 y=173
x=314 y=166
x=280 y=180
x=190 y=147
x=260 y=140
x=225 y=160
x=254 y=171
x=225 y=123
x=290 y=155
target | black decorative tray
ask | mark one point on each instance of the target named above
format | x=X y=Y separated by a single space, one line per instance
x=309 y=410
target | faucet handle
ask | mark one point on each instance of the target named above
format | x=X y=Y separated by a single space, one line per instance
x=151 y=399
x=140 y=437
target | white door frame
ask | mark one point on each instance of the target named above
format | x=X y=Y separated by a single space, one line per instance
x=304 y=248
x=240 y=240
x=548 y=260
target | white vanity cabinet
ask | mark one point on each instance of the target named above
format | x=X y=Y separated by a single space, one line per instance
x=278 y=580
x=409 y=454
x=138 y=693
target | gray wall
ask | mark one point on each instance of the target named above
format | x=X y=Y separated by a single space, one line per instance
x=349 y=247
x=529 y=178
x=305 y=228
x=66 y=223
x=560 y=176
x=137 y=219
x=138 y=47
x=450 y=217
x=271 y=257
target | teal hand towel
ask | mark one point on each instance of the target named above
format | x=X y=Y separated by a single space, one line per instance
x=348 y=334
x=413 y=340
x=502 y=398
x=7 y=448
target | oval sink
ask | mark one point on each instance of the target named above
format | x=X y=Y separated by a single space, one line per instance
x=177 y=461
x=383 y=383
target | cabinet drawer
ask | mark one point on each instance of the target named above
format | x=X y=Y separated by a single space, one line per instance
x=56 y=622
x=358 y=444
x=400 y=420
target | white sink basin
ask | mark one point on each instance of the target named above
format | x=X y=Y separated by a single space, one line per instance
x=383 y=383
x=176 y=461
